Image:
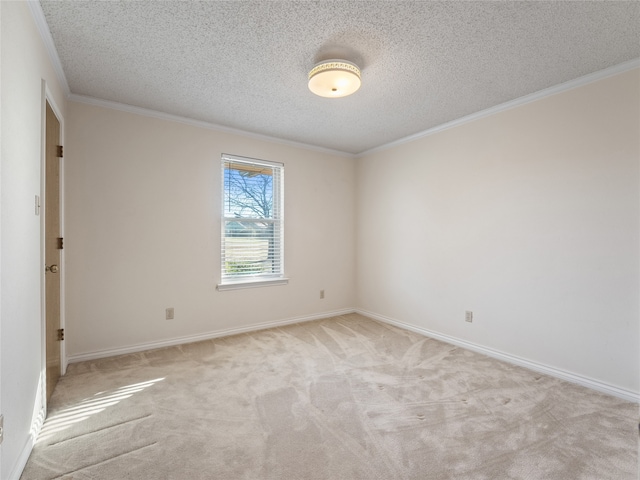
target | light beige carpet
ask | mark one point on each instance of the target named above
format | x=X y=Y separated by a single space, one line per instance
x=342 y=398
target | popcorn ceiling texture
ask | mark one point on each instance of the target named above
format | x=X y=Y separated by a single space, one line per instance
x=244 y=64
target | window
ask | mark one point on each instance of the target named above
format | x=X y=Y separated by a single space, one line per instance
x=252 y=223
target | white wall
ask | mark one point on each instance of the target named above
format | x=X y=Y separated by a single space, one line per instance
x=24 y=65
x=143 y=232
x=529 y=218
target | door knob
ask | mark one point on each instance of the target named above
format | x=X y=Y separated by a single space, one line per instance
x=52 y=268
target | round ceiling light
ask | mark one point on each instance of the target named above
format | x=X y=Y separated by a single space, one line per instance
x=334 y=78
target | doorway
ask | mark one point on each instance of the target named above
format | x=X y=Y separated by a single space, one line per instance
x=52 y=246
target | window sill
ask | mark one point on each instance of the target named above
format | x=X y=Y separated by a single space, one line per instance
x=251 y=284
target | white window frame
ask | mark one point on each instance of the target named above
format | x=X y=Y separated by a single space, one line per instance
x=230 y=282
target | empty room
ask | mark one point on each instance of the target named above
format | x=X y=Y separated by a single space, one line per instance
x=351 y=240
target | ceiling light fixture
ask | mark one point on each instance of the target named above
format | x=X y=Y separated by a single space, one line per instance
x=334 y=78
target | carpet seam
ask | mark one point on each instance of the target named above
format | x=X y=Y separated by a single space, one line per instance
x=99 y=430
x=104 y=461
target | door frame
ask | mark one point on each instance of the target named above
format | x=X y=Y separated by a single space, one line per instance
x=47 y=97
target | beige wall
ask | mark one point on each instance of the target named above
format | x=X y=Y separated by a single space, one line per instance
x=143 y=232
x=529 y=218
x=25 y=64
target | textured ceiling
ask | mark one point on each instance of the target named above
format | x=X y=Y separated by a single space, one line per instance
x=244 y=64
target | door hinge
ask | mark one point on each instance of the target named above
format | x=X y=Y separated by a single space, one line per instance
x=59 y=151
x=60 y=334
x=60 y=241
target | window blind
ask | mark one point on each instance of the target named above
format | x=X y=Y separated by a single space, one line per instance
x=252 y=220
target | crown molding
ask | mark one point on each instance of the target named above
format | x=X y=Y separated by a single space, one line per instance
x=201 y=124
x=547 y=92
x=47 y=39
x=43 y=29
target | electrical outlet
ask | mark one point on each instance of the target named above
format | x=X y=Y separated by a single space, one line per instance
x=321 y=294
x=169 y=313
x=468 y=316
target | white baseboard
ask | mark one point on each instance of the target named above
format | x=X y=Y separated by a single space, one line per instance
x=203 y=336
x=21 y=462
x=523 y=362
x=507 y=357
x=22 y=459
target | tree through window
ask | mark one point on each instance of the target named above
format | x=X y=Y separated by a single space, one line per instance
x=252 y=223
